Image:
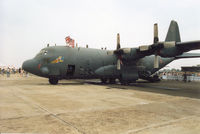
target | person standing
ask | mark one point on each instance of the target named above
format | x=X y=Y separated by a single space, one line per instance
x=8 y=72
x=20 y=71
x=3 y=71
x=13 y=70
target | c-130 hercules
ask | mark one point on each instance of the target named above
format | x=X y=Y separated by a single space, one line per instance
x=125 y=64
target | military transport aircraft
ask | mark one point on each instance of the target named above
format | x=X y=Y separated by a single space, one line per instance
x=125 y=64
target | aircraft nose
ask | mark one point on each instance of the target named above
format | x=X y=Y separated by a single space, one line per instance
x=30 y=66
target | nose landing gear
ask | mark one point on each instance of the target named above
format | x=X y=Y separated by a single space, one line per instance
x=53 y=80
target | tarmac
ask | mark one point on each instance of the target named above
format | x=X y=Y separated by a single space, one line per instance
x=31 y=105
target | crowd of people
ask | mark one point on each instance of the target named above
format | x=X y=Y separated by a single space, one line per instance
x=8 y=71
x=179 y=76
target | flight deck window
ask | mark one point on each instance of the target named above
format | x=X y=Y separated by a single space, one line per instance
x=42 y=52
x=45 y=53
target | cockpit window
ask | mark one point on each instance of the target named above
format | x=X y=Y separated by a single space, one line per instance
x=45 y=52
x=42 y=52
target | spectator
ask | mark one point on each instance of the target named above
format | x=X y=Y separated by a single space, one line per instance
x=20 y=70
x=26 y=73
x=13 y=70
x=8 y=72
x=3 y=71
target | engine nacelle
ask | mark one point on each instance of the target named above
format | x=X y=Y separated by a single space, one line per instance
x=126 y=73
x=132 y=55
x=109 y=71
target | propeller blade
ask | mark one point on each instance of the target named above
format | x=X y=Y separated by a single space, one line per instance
x=110 y=52
x=156 y=61
x=155 y=39
x=118 y=41
x=118 y=64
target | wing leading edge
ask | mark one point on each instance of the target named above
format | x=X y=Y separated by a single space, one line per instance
x=188 y=46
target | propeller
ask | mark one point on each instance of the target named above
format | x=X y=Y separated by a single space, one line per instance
x=119 y=52
x=119 y=57
x=155 y=41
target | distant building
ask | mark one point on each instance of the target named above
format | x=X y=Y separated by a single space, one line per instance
x=186 y=74
x=195 y=69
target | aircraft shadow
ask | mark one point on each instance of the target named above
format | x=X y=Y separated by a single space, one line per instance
x=60 y=84
x=145 y=86
x=71 y=84
x=183 y=91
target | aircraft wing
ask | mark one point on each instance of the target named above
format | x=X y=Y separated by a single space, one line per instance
x=168 y=49
x=172 y=47
x=188 y=46
x=188 y=55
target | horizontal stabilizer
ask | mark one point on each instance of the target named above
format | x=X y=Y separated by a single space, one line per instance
x=188 y=55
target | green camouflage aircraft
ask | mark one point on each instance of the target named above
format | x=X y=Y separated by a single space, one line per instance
x=125 y=64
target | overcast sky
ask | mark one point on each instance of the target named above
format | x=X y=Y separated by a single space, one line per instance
x=26 y=26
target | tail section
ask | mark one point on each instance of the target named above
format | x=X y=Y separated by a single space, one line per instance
x=173 y=32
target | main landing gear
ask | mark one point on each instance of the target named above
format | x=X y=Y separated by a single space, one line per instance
x=113 y=81
x=53 y=80
x=153 y=79
x=124 y=82
x=110 y=80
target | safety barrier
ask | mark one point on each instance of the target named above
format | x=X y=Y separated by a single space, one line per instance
x=180 y=78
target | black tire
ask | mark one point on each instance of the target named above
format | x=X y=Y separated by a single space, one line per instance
x=123 y=82
x=154 y=79
x=112 y=81
x=53 y=81
x=104 y=80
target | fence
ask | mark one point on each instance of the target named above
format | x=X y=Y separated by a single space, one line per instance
x=180 y=78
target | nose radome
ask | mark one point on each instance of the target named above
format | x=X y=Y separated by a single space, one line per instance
x=25 y=65
x=30 y=66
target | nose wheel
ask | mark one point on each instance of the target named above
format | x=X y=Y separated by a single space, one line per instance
x=53 y=80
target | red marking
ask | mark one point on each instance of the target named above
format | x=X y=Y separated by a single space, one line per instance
x=39 y=65
x=161 y=61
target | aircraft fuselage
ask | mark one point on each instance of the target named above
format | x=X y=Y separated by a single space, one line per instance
x=64 y=62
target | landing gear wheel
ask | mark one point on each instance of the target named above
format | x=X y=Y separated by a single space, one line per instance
x=53 y=81
x=104 y=80
x=112 y=81
x=154 y=79
x=124 y=82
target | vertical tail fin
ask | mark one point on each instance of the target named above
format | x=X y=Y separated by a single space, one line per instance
x=173 y=32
